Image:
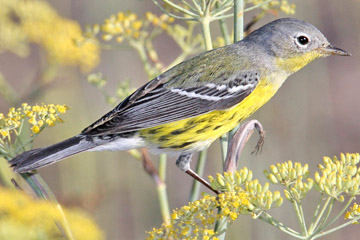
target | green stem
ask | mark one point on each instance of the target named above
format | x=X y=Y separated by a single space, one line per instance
x=224 y=31
x=161 y=190
x=336 y=217
x=224 y=144
x=223 y=28
x=257 y=6
x=300 y=216
x=316 y=213
x=315 y=224
x=179 y=8
x=162 y=166
x=164 y=202
x=323 y=233
x=198 y=7
x=269 y=219
x=190 y=6
x=221 y=226
x=205 y=25
x=324 y=219
x=238 y=20
x=42 y=190
x=195 y=189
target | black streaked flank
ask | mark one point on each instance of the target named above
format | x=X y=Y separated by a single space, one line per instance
x=204 y=129
x=164 y=138
x=179 y=131
x=217 y=127
x=185 y=144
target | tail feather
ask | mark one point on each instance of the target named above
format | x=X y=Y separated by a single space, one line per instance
x=41 y=157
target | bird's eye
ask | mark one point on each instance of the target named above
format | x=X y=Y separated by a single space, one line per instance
x=302 y=40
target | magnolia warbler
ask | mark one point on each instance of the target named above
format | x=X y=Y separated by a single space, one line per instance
x=189 y=106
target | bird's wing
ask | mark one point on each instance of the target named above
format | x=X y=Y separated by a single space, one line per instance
x=167 y=99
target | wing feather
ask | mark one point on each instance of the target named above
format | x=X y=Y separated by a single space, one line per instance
x=163 y=104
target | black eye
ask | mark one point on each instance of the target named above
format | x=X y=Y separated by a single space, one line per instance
x=303 y=40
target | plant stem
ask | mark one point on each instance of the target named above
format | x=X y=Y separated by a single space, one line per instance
x=335 y=228
x=220 y=227
x=300 y=216
x=179 y=8
x=317 y=209
x=224 y=31
x=195 y=189
x=336 y=217
x=314 y=225
x=42 y=190
x=269 y=219
x=161 y=189
x=164 y=202
x=223 y=28
x=205 y=25
x=224 y=144
x=324 y=219
x=238 y=20
x=162 y=166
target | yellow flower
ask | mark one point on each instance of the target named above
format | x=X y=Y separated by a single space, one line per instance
x=37 y=116
x=22 y=217
x=35 y=129
x=23 y=22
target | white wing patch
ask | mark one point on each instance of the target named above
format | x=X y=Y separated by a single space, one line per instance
x=196 y=95
x=219 y=92
x=240 y=88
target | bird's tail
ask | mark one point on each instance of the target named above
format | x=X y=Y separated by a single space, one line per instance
x=41 y=157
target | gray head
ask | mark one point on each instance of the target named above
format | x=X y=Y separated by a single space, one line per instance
x=289 y=37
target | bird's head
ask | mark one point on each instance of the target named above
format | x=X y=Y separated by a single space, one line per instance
x=294 y=43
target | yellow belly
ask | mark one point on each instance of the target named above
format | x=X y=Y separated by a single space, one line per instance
x=197 y=132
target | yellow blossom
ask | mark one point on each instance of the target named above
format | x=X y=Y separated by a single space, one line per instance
x=353 y=213
x=196 y=220
x=38 y=117
x=22 y=217
x=23 y=22
x=339 y=176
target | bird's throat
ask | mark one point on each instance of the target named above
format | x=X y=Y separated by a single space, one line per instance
x=294 y=64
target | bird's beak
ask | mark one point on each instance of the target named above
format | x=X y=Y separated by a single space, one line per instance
x=331 y=50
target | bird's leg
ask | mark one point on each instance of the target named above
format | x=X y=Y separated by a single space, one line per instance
x=183 y=162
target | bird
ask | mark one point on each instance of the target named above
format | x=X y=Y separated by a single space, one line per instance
x=186 y=108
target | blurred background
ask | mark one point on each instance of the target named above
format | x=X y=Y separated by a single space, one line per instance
x=316 y=113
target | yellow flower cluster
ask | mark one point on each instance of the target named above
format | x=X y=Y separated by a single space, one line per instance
x=44 y=115
x=37 y=22
x=291 y=176
x=162 y=21
x=338 y=176
x=22 y=217
x=123 y=25
x=231 y=181
x=283 y=5
x=242 y=196
x=354 y=212
x=260 y=197
x=38 y=117
x=129 y=26
x=196 y=220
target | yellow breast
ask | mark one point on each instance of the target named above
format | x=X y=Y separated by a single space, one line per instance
x=198 y=132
